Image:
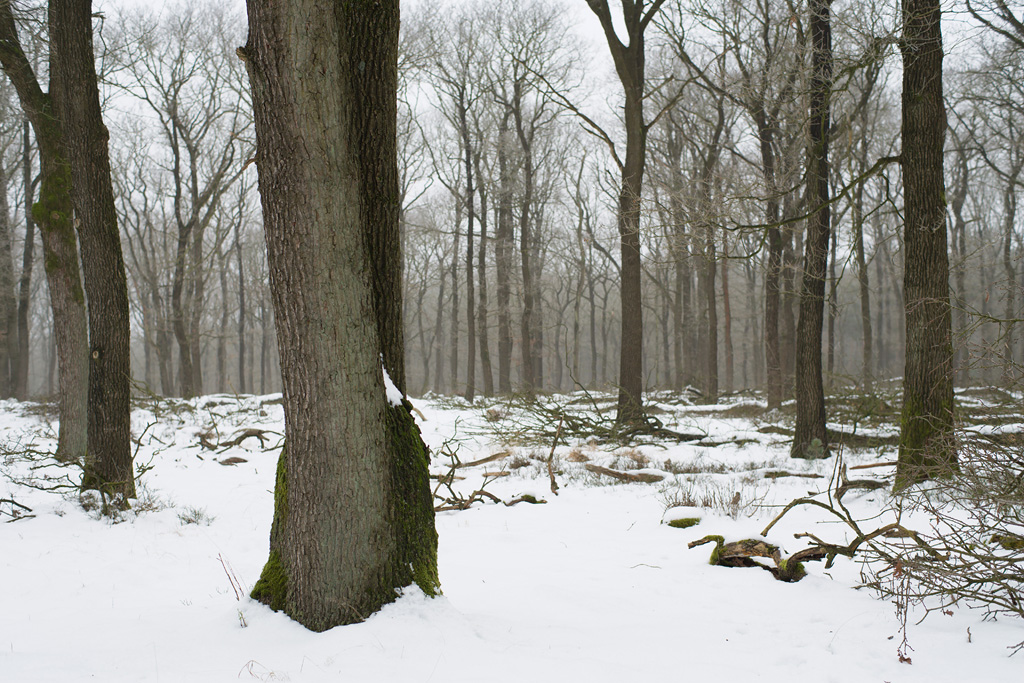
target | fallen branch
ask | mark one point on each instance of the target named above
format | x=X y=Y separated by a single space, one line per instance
x=483 y=461
x=246 y=434
x=873 y=464
x=741 y=554
x=778 y=474
x=641 y=477
x=15 y=504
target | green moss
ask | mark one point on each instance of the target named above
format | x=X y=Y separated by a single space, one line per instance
x=413 y=503
x=717 y=550
x=924 y=450
x=53 y=214
x=272 y=586
x=528 y=498
x=684 y=523
x=793 y=572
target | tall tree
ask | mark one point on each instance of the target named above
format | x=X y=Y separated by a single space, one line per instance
x=60 y=245
x=75 y=92
x=353 y=516
x=925 y=449
x=27 y=262
x=810 y=438
x=629 y=65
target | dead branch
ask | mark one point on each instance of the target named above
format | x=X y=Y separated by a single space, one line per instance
x=483 y=461
x=641 y=477
x=873 y=464
x=205 y=442
x=246 y=434
x=778 y=474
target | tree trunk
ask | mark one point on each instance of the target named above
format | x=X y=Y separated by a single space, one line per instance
x=60 y=246
x=454 y=329
x=241 y=309
x=927 y=420
x=629 y=65
x=527 y=328
x=225 y=318
x=470 y=392
x=857 y=211
x=8 y=299
x=810 y=437
x=503 y=258
x=353 y=518
x=76 y=100
x=25 y=282
x=481 y=276
x=1010 y=275
x=439 y=334
x=957 y=198
x=197 y=306
x=727 y=311
x=773 y=275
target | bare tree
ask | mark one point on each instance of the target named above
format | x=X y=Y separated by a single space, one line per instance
x=629 y=61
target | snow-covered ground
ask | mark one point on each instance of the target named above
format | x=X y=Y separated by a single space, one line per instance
x=593 y=585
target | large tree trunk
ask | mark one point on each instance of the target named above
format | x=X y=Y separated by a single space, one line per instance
x=60 y=245
x=353 y=517
x=77 y=103
x=810 y=438
x=927 y=421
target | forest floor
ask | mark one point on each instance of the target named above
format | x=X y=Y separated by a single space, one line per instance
x=590 y=584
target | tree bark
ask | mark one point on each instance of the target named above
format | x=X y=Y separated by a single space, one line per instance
x=810 y=437
x=486 y=371
x=241 y=308
x=8 y=298
x=60 y=246
x=863 y=278
x=353 y=516
x=503 y=257
x=76 y=100
x=925 y=448
x=27 y=261
x=467 y=144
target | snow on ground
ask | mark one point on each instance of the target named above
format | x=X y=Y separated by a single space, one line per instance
x=591 y=586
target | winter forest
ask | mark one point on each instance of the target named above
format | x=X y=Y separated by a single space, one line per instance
x=512 y=324
x=509 y=134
